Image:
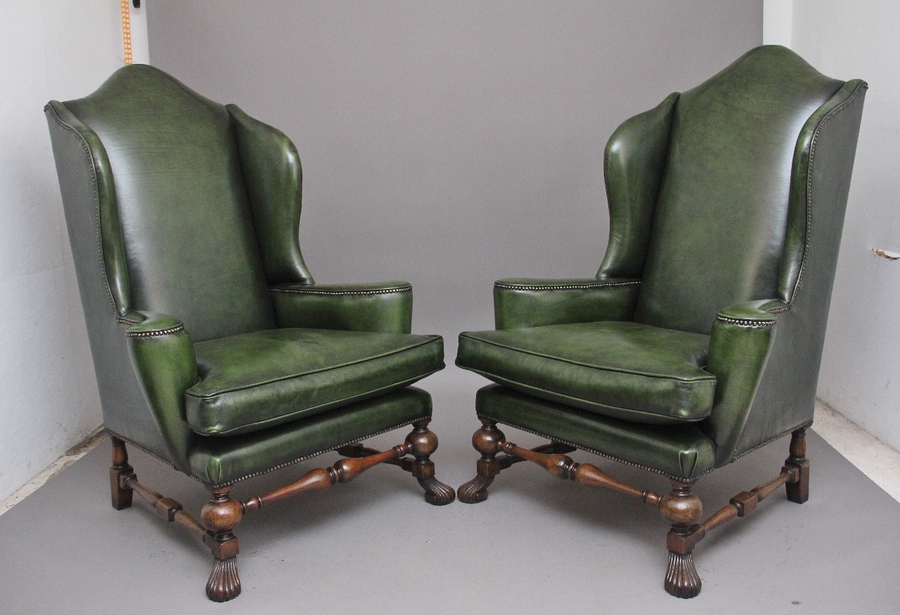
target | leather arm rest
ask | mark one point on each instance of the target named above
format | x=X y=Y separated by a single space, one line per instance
x=380 y=307
x=741 y=340
x=164 y=361
x=528 y=302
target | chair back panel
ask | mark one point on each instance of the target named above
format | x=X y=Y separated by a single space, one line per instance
x=719 y=229
x=186 y=227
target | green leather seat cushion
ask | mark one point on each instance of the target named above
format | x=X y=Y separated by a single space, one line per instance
x=221 y=461
x=256 y=380
x=682 y=452
x=624 y=370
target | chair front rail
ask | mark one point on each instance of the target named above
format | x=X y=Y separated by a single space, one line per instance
x=342 y=471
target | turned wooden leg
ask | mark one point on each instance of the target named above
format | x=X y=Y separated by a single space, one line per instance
x=119 y=474
x=798 y=491
x=682 y=509
x=422 y=444
x=220 y=516
x=486 y=441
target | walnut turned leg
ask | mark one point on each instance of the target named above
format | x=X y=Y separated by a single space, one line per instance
x=220 y=516
x=682 y=509
x=119 y=473
x=422 y=443
x=798 y=491
x=486 y=441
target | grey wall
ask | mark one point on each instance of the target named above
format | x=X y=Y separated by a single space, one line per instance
x=449 y=143
x=861 y=364
x=48 y=396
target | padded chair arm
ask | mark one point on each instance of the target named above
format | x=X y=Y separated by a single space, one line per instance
x=525 y=302
x=381 y=307
x=739 y=346
x=163 y=358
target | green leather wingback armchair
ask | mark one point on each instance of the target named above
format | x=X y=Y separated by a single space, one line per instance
x=214 y=349
x=700 y=337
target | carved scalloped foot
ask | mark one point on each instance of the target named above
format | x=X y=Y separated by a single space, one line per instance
x=475 y=490
x=224 y=583
x=682 y=580
x=436 y=492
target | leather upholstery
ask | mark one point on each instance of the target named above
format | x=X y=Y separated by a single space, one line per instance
x=380 y=306
x=720 y=219
x=726 y=207
x=179 y=200
x=622 y=370
x=214 y=349
x=256 y=380
x=527 y=302
x=222 y=461
x=682 y=452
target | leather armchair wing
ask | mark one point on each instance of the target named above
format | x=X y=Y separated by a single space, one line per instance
x=214 y=349
x=700 y=337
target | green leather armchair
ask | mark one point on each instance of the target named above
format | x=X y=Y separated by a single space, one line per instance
x=700 y=337
x=214 y=349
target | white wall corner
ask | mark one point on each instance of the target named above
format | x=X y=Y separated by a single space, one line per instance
x=778 y=22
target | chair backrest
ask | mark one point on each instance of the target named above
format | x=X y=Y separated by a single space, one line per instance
x=720 y=227
x=176 y=213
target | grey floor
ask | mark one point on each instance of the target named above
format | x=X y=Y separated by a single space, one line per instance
x=538 y=545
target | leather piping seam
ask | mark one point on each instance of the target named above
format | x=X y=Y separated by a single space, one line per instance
x=265 y=423
x=746 y=322
x=87 y=150
x=681 y=380
x=596 y=452
x=506 y=286
x=157 y=333
x=770 y=440
x=321 y=370
x=809 y=181
x=385 y=291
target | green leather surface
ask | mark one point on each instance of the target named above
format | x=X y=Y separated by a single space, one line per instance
x=633 y=165
x=85 y=185
x=531 y=302
x=618 y=369
x=719 y=230
x=256 y=380
x=744 y=234
x=739 y=347
x=180 y=197
x=678 y=451
x=163 y=359
x=164 y=193
x=381 y=306
x=786 y=397
x=218 y=461
x=274 y=182
x=89 y=199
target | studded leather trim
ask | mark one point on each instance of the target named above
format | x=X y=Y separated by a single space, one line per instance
x=378 y=291
x=157 y=333
x=508 y=286
x=746 y=322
